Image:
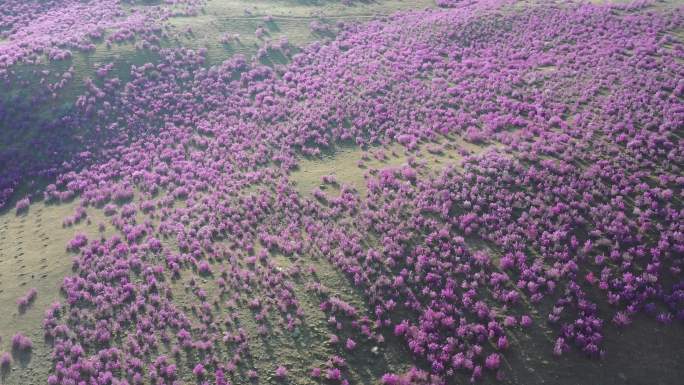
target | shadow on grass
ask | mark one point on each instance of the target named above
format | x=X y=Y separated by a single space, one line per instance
x=22 y=357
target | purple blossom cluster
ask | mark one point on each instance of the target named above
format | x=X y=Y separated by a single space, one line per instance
x=27 y=299
x=22 y=205
x=577 y=202
x=5 y=362
x=21 y=343
x=448 y=3
x=78 y=241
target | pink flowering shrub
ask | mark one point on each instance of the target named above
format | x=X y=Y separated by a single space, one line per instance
x=5 y=362
x=21 y=343
x=447 y=3
x=77 y=242
x=281 y=372
x=22 y=205
x=27 y=299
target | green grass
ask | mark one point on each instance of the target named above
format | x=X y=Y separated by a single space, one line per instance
x=351 y=164
x=290 y=19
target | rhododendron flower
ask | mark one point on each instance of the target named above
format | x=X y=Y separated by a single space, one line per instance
x=199 y=371
x=281 y=372
x=21 y=343
x=5 y=361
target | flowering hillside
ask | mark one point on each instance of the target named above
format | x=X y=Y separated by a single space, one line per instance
x=483 y=191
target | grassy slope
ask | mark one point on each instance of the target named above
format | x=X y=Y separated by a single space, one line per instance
x=33 y=255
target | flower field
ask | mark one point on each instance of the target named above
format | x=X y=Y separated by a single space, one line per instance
x=341 y=192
